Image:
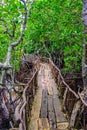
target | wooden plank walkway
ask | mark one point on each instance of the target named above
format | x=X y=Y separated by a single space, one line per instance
x=46 y=110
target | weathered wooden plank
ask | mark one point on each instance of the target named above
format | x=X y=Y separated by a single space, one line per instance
x=40 y=127
x=52 y=121
x=51 y=114
x=62 y=125
x=14 y=129
x=58 y=111
x=55 y=90
x=50 y=103
x=53 y=129
x=43 y=124
x=37 y=104
x=50 y=89
x=33 y=125
x=43 y=113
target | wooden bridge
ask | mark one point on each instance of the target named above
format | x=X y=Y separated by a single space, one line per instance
x=43 y=103
x=46 y=111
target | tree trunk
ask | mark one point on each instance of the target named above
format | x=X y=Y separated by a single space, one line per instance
x=84 y=58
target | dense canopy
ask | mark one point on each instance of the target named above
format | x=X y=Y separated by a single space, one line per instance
x=53 y=27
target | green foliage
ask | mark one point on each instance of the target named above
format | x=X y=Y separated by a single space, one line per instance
x=11 y=17
x=59 y=25
x=56 y=23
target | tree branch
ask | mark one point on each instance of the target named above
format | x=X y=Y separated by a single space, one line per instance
x=82 y=98
x=6 y=64
x=24 y=26
x=3 y=3
x=6 y=27
x=74 y=93
x=75 y=110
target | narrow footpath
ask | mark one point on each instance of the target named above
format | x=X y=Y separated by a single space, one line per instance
x=46 y=111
